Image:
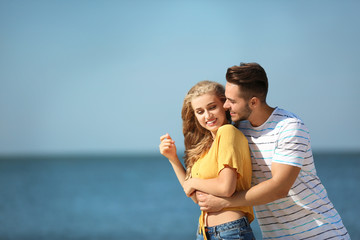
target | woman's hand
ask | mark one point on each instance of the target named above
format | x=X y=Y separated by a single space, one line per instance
x=167 y=147
x=188 y=187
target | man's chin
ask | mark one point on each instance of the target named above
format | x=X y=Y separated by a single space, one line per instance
x=235 y=119
x=237 y=122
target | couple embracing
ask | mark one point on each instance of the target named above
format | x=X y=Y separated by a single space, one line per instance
x=263 y=160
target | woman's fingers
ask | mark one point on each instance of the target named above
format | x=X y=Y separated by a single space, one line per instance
x=166 y=136
x=167 y=145
x=166 y=140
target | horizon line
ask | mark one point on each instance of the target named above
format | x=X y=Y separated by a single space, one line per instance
x=89 y=154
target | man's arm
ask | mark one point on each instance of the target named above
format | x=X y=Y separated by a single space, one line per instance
x=283 y=177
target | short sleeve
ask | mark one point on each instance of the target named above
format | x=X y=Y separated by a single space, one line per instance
x=232 y=149
x=292 y=144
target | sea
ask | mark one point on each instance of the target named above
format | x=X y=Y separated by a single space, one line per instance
x=128 y=197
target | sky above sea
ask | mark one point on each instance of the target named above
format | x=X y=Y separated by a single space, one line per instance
x=110 y=76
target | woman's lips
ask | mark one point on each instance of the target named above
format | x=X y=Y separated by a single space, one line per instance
x=212 y=122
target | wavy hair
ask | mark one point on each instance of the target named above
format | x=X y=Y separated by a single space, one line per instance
x=197 y=139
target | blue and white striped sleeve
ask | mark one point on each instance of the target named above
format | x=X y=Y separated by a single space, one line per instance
x=292 y=144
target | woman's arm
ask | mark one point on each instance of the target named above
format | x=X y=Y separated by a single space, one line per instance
x=223 y=186
x=168 y=149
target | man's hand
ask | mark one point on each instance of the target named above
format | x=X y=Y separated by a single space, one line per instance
x=210 y=203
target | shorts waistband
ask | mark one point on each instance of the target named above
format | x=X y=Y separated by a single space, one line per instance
x=242 y=222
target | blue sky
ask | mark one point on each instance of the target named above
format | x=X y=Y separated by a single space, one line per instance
x=110 y=76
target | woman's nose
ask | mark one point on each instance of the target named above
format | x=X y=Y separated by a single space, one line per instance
x=207 y=115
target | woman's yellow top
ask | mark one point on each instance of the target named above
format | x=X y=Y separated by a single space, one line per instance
x=230 y=148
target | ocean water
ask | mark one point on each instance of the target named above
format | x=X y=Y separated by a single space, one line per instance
x=128 y=197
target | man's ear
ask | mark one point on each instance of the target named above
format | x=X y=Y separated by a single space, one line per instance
x=254 y=102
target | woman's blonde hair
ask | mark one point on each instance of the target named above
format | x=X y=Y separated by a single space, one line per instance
x=197 y=139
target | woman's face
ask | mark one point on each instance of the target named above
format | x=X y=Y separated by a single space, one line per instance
x=209 y=112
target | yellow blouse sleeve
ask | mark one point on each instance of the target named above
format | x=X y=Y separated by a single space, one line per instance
x=232 y=148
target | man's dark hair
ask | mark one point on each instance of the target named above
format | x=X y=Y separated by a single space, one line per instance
x=251 y=79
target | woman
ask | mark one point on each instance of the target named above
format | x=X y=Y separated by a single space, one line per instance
x=217 y=161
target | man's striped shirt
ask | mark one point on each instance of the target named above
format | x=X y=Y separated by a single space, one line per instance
x=307 y=212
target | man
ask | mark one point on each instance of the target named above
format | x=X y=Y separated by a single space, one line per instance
x=288 y=196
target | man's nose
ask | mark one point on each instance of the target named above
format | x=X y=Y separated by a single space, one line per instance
x=226 y=104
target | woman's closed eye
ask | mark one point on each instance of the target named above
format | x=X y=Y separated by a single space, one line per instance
x=212 y=107
x=200 y=112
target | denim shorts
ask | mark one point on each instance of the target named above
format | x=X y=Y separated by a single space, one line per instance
x=238 y=229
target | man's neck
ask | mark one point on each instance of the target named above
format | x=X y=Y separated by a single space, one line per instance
x=260 y=115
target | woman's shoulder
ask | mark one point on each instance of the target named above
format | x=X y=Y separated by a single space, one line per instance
x=230 y=134
x=229 y=128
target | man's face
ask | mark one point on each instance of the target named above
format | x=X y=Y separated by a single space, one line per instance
x=238 y=106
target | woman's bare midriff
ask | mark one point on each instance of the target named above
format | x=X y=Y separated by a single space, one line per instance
x=221 y=217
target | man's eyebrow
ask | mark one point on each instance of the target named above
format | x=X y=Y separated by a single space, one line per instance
x=230 y=99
